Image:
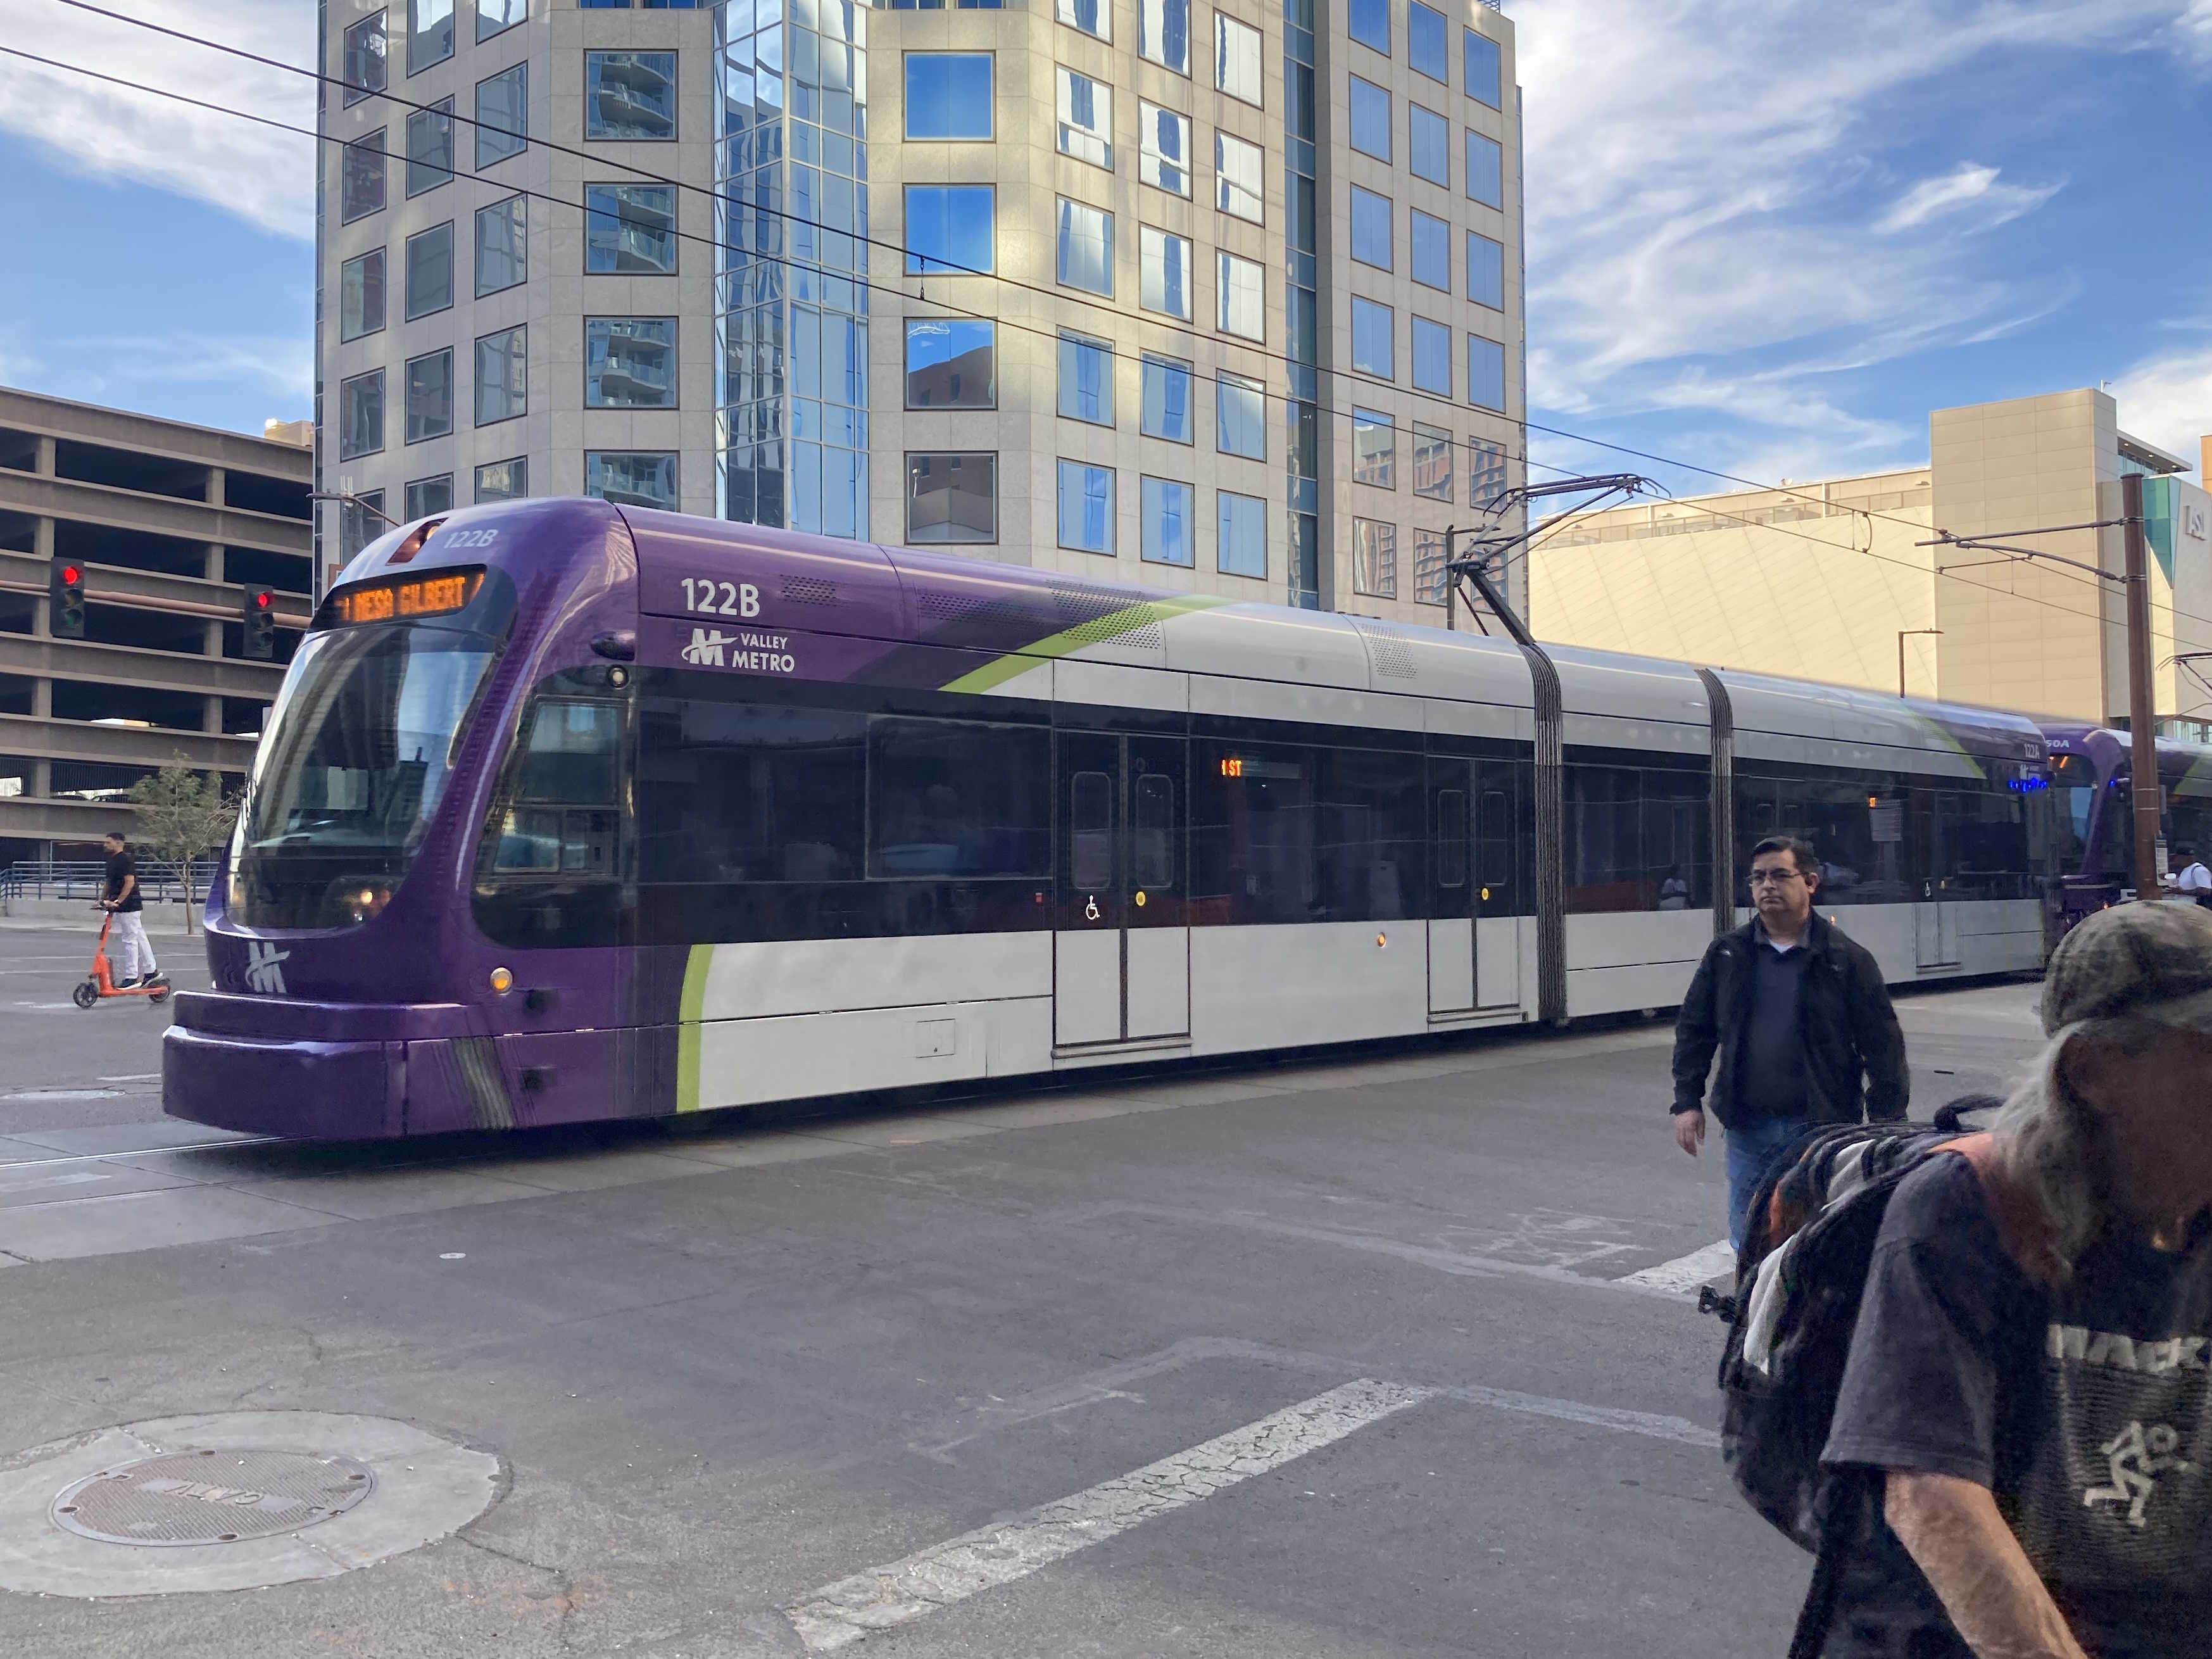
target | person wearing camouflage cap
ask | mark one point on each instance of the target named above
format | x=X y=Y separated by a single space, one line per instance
x=2028 y=1376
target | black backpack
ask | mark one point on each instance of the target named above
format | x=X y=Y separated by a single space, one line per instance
x=1807 y=1250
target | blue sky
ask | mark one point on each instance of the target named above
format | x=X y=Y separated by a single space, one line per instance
x=1765 y=235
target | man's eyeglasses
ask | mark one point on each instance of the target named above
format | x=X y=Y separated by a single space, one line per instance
x=1774 y=878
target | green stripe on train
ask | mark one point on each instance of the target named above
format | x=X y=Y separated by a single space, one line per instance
x=1098 y=631
x=687 y=1029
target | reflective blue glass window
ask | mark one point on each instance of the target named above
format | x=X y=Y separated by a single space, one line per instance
x=494 y=16
x=1432 y=462
x=949 y=227
x=430 y=32
x=502 y=115
x=630 y=94
x=1370 y=119
x=502 y=376
x=952 y=498
x=1486 y=271
x=1485 y=170
x=364 y=68
x=503 y=481
x=1163 y=154
x=1431 y=358
x=1432 y=251
x=1241 y=417
x=1374 y=449
x=1087 y=380
x=1431 y=145
x=1164 y=33
x=952 y=362
x=1167 y=399
x=1163 y=272
x=1371 y=228
x=1373 y=351
x=1236 y=57
x=1167 y=522
x=631 y=478
x=502 y=244
x=1085 y=258
x=1086 y=118
x=1370 y=22
x=1240 y=547
x=1486 y=373
x=948 y=94
x=1243 y=291
x=1425 y=39
x=629 y=230
x=1239 y=174
x=1092 y=16
x=629 y=362
x=430 y=271
x=1483 y=70
x=430 y=147
x=1086 y=507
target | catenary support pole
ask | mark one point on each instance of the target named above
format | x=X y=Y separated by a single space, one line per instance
x=2142 y=772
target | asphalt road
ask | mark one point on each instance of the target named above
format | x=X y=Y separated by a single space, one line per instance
x=62 y=1066
x=1362 y=1331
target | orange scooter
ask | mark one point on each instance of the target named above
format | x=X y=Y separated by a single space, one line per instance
x=102 y=983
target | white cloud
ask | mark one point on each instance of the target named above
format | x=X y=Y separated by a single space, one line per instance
x=265 y=177
x=1969 y=193
x=2166 y=398
x=2192 y=35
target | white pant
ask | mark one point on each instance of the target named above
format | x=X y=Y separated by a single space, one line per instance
x=129 y=956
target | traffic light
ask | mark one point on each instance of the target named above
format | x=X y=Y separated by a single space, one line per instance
x=65 y=595
x=257 y=606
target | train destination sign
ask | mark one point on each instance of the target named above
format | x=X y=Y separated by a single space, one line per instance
x=401 y=599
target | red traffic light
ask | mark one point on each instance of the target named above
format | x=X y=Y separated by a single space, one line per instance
x=263 y=599
x=71 y=575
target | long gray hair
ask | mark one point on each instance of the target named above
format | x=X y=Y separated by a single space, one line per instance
x=2050 y=1145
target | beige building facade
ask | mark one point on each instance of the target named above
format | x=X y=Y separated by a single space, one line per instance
x=1224 y=297
x=1828 y=580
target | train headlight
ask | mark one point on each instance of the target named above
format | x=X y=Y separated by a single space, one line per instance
x=363 y=900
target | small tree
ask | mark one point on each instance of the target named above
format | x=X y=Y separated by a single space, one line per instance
x=182 y=816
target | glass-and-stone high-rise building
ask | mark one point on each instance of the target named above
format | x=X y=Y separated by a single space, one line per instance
x=1222 y=296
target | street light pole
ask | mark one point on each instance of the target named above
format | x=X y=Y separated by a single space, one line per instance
x=1903 y=635
x=2146 y=796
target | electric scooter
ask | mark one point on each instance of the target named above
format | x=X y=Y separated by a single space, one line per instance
x=102 y=983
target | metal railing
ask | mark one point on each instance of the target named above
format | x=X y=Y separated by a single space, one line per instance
x=87 y=879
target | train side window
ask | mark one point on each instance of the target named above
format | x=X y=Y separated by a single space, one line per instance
x=1154 y=848
x=1090 y=831
x=560 y=820
x=1451 y=838
x=959 y=798
x=1497 y=839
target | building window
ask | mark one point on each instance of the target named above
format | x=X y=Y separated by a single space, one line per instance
x=430 y=32
x=631 y=477
x=629 y=362
x=365 y=69
x=360 y=415
x=1431 y=577
x=1244 y=296
x=1370 y=119
x=1370 y=23
x=630 y=94
x=1486 y=271
x=497 y=17
x=1240 y=408
x=426 y=498
x=951 y=363
x=1371 y=228
x=1374 y=350
x=1484 y=78
x=430 y=395
x=1431 y=242
x=1086 y=119
x=1093 y=17
x=1164 y=155
x=952 y=499
x=359 y=522
x=1375 y=558
x=1374 y=448
x=361 y=175
x=1240 y=545
x=430 y=147
x=503 y=481
x=1167 y=526
x=1485 y=170
x=1239 y=169
x=430 y=270
x=1486 y=373
x=502 y=244
x=1166 y=412
x=1086 y=507
x=1426 y=38
x=1236 y=58
x=1087 y=380
x=502 y=115
x=360 y=295
x=948 y=96
x=1163 y=272
x=1431 y=358
x=1432 y=462
x=1086 y=247
x=629 y=230
x=1164 y=33
x=950 y=228
x=1485 y=473
x=502 y=377
x=1430 y=145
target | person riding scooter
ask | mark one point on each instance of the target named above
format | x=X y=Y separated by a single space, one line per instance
x=134 y=954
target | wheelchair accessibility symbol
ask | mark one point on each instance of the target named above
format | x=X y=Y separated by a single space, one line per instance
x=1091 y=909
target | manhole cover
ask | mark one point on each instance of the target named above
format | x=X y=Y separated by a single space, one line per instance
x=211 y=1496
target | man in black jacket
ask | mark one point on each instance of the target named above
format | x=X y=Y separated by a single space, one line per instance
x=1799 y=1014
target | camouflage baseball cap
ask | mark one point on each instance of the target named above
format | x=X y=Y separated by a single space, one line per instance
x=2149 y=960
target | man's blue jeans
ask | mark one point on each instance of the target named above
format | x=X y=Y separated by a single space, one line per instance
x=1751 y=1151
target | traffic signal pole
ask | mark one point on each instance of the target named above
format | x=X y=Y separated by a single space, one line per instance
x=2147 y=794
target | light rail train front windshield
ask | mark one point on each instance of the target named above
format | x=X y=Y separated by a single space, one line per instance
x=360 y=748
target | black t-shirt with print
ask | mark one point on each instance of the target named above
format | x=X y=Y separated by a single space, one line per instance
x=120 y=865
x=2084 y=1409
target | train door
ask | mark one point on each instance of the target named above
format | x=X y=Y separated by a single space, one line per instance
x=1935 y=914
x=1453 y=801
x=1122 y=942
